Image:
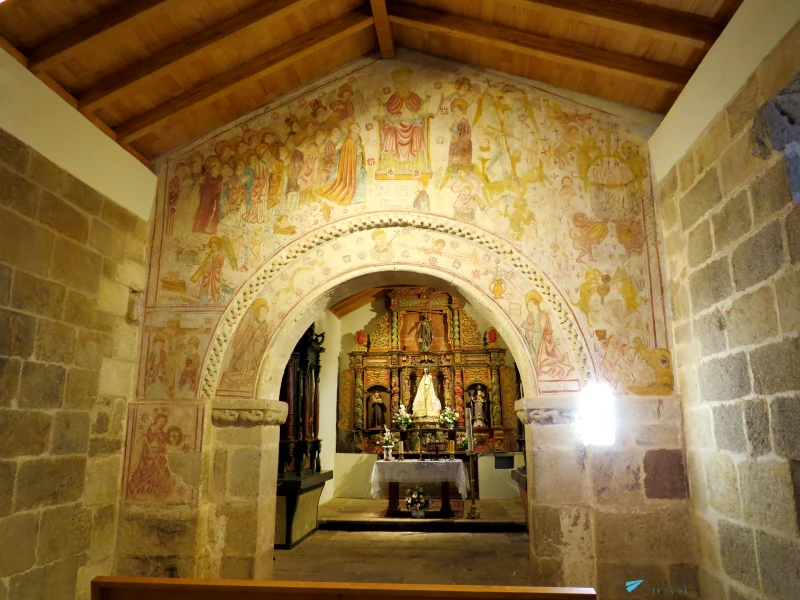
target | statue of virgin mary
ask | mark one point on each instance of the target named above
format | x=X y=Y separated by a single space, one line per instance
x=426 y=404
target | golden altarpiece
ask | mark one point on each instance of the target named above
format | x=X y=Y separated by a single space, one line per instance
x=467 y=365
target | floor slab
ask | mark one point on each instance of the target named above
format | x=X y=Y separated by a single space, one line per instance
x=408 y=557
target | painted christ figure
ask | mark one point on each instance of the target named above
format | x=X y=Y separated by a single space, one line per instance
x=403 y=145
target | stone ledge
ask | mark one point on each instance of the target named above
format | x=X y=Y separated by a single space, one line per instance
x=248 y=412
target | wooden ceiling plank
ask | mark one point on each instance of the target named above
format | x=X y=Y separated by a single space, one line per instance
x=260 y=66
x=109 y=89
x=534 y=45
x=63 y=45
x=664 y=23
x=12 y=50
x=383 y=27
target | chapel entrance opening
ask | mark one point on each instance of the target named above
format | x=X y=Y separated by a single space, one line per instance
x=399 y=351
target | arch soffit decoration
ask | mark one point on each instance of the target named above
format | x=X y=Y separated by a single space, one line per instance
x=301 y=247
x=300 y=317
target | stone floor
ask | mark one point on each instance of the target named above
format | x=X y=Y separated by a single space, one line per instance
x=408 y=557
x=345 y=513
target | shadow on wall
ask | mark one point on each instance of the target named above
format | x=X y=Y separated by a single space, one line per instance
x=351 y=475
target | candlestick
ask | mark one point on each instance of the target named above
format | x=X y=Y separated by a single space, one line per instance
x=469 y=430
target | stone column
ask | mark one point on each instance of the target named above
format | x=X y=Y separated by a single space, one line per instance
x=559 y=506
x=242 y=487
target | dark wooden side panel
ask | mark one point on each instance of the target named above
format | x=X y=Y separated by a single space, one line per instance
x=143 y=588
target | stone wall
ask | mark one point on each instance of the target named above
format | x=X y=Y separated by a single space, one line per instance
x=604 y=515
x=68 y=258
x=732 y=238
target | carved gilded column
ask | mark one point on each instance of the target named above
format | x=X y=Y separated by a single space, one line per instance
x=358 y=408
x=395 y=392
x=497 y=413
x=459 y=384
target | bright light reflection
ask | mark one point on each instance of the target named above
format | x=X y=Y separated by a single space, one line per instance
x=596 y=422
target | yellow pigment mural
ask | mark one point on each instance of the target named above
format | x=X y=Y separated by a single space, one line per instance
x=563 y=190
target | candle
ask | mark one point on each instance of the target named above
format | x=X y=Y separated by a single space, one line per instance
x=452 y=446
x=469 y=429
x=400 y=448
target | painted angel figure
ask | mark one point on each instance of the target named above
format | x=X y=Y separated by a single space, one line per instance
x=209 y=274
x=426 y=404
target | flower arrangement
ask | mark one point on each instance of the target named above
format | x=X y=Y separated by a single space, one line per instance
x=386 y=438
x=417 y=500
x=449 y=416
x=462 y=443
x=401 y=418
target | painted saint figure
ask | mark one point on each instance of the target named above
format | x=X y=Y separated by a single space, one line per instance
x=347 y=187
x=426 y=404
x=422 y=201
x=468 y=199
x=152 y=477
x=378 y=411
x=538 y=328
x=460 y=152
x=248 y=346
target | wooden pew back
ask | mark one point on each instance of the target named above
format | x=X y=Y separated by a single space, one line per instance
x=147 y=588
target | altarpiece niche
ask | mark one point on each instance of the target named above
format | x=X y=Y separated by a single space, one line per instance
x=426 y=337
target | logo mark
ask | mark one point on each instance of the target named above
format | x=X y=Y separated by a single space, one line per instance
x=632 y=585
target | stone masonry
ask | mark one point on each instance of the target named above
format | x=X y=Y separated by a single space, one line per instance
x=68 y=258
x=728 y=222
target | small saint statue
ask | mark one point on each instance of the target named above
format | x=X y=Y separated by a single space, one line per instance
x=425 y=334
x=478 y=400
x=426 y=404
x=378 y=412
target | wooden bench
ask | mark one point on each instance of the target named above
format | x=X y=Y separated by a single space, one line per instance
x=147 y=588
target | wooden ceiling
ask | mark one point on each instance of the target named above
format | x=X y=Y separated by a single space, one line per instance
x=155 y=74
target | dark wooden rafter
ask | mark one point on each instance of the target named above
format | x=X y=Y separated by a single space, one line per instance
x=60 y=47
x=112 y=87
x=72 y=101
x=530 y=44
x=16 y=54
x=650 y=20
x=383 y=27
x=313 y=41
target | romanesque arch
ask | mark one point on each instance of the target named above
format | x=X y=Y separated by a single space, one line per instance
x=427 y=239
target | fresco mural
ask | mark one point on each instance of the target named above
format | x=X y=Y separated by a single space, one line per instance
x=564 y=187
x=160 y=441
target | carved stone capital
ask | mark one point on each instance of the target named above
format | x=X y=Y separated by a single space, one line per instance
x=230 y=412
x=547 y=410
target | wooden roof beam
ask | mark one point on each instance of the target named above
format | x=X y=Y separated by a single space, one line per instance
x=529 y=44
x=112 y=87
x=650 y=20
x=12 y=50
x=65 y=44
x=383 y=27
x=314 y=41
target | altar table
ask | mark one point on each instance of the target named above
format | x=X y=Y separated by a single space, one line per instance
x=390 y=474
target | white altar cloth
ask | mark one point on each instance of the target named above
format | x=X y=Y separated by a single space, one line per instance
x=417 y=471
